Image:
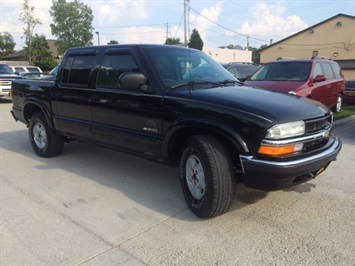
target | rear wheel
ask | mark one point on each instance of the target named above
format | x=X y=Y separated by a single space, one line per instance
x=206 y=176
x=339 y=105
x=44 y=141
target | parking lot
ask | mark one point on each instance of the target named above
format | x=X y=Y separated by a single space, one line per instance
x=93 y=206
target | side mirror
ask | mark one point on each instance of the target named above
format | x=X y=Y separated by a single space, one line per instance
x=319 y=78
x=136 y=81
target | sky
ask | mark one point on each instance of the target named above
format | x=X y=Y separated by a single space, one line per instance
x=219 y=22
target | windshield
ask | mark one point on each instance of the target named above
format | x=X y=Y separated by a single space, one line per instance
x=283 y=71
x=176 y=67
x=54 y=71
x=4 y=69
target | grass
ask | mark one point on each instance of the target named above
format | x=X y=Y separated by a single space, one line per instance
x=348 y=110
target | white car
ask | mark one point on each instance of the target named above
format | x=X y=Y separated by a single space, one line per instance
x=6 y=78
x=27 y=69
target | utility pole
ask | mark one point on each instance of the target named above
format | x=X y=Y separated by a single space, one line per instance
x=167 y=30
x=188 y=19
x=185 y=22
x=98 y=37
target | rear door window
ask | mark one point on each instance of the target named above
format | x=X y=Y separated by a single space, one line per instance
x=19 y=69
x=327 y=69
x=33 y=69
x=77 y=70
x=336 y=70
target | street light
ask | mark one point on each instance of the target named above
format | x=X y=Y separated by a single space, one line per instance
x=98 y=37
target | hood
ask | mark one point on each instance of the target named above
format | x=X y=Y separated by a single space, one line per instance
x=280 y=86
x=272 y=106
x=10 y=76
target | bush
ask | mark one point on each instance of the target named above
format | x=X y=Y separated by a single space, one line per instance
x=47 y=65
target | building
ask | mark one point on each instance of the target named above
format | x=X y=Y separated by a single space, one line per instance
x=333 y=38
x=19 y=57
x=228 y=55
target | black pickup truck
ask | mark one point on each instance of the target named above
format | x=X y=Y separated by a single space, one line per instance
x=177 y=105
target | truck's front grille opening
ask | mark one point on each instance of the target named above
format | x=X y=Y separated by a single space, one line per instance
x=318 y=124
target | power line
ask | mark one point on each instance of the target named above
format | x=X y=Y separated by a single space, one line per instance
x=219 y=25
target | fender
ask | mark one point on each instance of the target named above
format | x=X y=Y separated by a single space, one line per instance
x=31 y=105
x=181 y=128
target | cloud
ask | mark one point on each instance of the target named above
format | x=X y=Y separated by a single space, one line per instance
x=201 y=23
x=138 y=34
x=108 y=12
x=268 y=22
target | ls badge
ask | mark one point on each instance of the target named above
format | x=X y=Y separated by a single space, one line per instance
x=150 y=126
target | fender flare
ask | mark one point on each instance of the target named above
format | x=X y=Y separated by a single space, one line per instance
x=31 y=104
x=203 y=126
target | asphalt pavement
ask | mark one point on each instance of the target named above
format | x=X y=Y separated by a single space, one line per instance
x=93 y=206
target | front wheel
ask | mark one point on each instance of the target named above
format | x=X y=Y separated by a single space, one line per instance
x=206 y=176
x=339 y=105
x=44 y=141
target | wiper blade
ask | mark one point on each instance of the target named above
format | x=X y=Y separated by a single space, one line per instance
x=226 y=81
x=191 y=83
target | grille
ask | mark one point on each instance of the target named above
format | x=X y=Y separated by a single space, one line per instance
x=5 y=82
x=315 y=125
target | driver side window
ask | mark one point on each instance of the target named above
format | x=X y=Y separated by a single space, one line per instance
x=113 y=66
x=317 y=71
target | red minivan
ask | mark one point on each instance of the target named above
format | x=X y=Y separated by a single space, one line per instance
x=318 y=78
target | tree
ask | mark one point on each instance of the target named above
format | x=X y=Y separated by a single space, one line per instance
x=112 y=42
x=7 y=44
x=195 y=40
x=173 y=41
x=40 y=49
x=256 y=53
x=72 y=24
x=41 y=54
x=27 y=16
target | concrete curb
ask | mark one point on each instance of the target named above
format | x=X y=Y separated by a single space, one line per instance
x=343 y=121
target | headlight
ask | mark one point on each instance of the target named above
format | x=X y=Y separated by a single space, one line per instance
x=287 y=130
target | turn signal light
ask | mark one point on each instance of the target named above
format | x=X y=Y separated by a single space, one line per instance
x=279 y=150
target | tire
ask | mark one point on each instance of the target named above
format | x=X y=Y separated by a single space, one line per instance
x=44 y=141
x=339 y=105
x=206 y=176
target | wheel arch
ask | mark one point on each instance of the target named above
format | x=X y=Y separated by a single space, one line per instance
x=32 y=106
x=177 y=136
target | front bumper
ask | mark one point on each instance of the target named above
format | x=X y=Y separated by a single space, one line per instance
x=274 y=175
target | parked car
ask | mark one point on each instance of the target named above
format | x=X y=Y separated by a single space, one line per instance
x=241 y=70
x=349 y=96
x=317 y=78
x=27 y=69
x=30 y=75
x=6 y=78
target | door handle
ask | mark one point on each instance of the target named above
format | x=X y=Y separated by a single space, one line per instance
x=98 y=99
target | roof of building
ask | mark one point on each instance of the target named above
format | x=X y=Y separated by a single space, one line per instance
x=18 y=55
x=307 y=29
